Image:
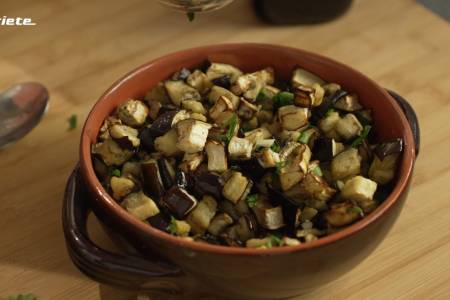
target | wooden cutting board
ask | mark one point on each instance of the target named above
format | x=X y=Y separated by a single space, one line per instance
x=79 y=47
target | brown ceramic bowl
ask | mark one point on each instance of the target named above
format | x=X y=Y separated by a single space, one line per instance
x=169 y=264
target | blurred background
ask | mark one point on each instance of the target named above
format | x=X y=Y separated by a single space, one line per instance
x=78 y=48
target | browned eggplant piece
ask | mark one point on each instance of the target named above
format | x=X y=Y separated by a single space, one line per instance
x=163 y=123
x=152 y=179
x=160 y=221
x=147 y=137
x=207 y=183
x=167 y=173
x=348 y=103
x=250 y=168
x=385 y=149
x=179 y=201
x=291 y=212
x=268 y=216
x=230 y=237
x=325 y=149
x=182 y=74
x=327 y=103
x=246 y=227
x=223 y=81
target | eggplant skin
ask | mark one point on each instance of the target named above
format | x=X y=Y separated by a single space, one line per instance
x=179 y=201
x=163 y=123
x=152 y=179
x=206 y=182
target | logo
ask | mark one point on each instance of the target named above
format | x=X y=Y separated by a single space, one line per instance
x=17 y=21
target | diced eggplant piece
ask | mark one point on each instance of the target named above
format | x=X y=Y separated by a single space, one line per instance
x=348 y=127
x=247 y=110
x=235 y=187
x=167 y=120
x=345 y=164
x=160 y=221
x=219 y=223
x=201 y=216
x=167 y=173
x=223 y=81
x=365 y=151
x=309 y=96
x=290 y=178
x=287 y=241
x=104 y=130
x=179 y=91
x=248 y=85
x=250 y=168
x=217 y=70
x=246 y=227
x=296 y=159
x=153 y=182
x=199 y=117
x=255 y=135
x=265 y=143
x=383 y=171
x=221 y=106
x=291 y=211
x=191 y=161
x=167 y=144
x=348 y=103
x=101 y=169
x=328 y=125
x=121 y=186
x=140 y=206
x=125 y=136
x=132 y=168
x=292 y=117
x=385 y=149
x=179 y=201
x=199 y=81
x=207 y=183
x=230 y=237
x=314 y=187
x=308 y=213
x=182 y=74
x=361 y=191
x=158 y=93
x=258 y=243
x=251 y=124
x=147 y=138
x=111 y=153
x=240 y=148
x=331 y=88
x=269 y=217
x=133 y=113
x=154 y=108
x=308 y=235
x=217 y=159
x=341 y=214
x=301 y=77
x=217 y=92
x=326 y=148
x=193 y=106
x=264 y=116
x=269 y=158
x=192 y=135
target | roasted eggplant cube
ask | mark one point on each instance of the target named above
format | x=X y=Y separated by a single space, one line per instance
x=326 y=148
x=207 y=183
x=314 y=187
x=140 y=206
x=269 y=158
x=301 y=77
x=133 y=113
x=179 y=228
x=191 y=161
x=125 y=136
x=158 y=93
x=328 y=124
x=111 y=153
x=223 y=105
x=217 y=92
x=359 y=190
x=217 y=159
x=348 y=127
x=219 y=223
x=121 y=187
x=348 y=103
x=179 y=201
x=193 y=106
x=153 y=182
x=235 y=187
x=167 y=144
x=269 y=217
x=247 y=110
x=240 y=148
x=192 y=135
x=292 y=117
x=383 y=171
x=200 y=218
x=199 y=81
x=132 y=168
x=179 y=91
x=217 y=70
x=346 y=164
x=341 y=214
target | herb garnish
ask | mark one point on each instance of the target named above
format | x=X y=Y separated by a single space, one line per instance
x=232 y=123
x=172 y=228
x=329 y=112
x=275 y=147
x=116 y=173
x=358 y=141
x=274 y=241
x=72 y=122
x=356 y=209
x=304 y=137
x=252 y=200
x=280 y=165
x=283 y=99
x=317 y=171
x=262 y=96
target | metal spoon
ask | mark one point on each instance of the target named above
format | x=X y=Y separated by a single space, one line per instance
x=21 y=108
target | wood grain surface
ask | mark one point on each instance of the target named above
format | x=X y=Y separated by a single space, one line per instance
x=80 y=47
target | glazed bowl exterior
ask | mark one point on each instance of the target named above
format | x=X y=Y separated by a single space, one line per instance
x=241 y=273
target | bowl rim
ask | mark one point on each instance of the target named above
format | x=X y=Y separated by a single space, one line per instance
x=94 y=185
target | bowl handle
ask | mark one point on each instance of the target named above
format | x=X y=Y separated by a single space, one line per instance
x=101 y=265
x=410 y=116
